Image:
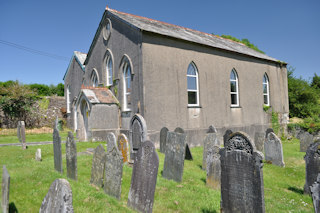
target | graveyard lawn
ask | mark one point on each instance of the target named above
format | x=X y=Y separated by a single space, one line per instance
x=30 y=182
x=31 y=137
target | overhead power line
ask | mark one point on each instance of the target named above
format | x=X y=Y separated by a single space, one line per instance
x=34 y=51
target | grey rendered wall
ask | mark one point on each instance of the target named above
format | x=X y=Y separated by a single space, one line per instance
x=124 y=40
x=165 y=63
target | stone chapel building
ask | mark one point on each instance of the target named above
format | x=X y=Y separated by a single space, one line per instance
x=173 y=77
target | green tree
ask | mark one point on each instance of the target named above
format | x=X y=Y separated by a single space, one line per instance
x=60 y=89
x=244 y=41
x=316 y=81
x=41 y=89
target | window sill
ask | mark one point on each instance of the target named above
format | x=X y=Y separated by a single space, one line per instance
x=194 y=106
x=235 y=107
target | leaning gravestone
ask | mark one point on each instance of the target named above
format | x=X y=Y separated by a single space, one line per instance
x=179 y=130
x=5 y=190
x=38 y=155
x=123 y=146
x=98 y=166
x=163 y=139
x=188 y=155
x=259 y=139
x=315 y=193
x=113 y=169
x=273 y=150
x=312 y=159
x=213 y=167
x=210 y=140
x=144 y=178
x=174 y=156
x=58 y=198
x=305 y=140
x=138 y=133
x=71 y=156
x=57 y=151
x=242 y=187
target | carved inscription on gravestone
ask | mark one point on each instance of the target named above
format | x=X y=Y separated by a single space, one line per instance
x=213 y=167
x=71 y=156
x=5 y=188
x=273 y=150
x=163 y=139
x=98 y=166
x=144 y=178
x=57 y=151
x=123 y=145
x=312 y=159
x=174 y=156
x=210 y=140
x=241 y=175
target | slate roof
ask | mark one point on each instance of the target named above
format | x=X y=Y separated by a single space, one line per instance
x=187 y=34
x=99 y=95
x=80 y=58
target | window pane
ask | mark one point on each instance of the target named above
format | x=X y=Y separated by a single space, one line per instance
x=191 y=70
x=234 y=100
x=233 y=75
x=265 y=97
x=192 y=83
x=192 y=98
x=233 y=86
x=109 y=71
x=265 y=89
x=265 y=79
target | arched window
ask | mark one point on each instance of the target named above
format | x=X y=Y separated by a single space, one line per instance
x=265 y=84
x=193 y=88
x=109 y=70
x=126 y=86
x=234 y=88
x=68 y=99
x=94 y=79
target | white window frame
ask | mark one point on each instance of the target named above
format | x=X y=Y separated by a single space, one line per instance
x=94 y=79
x=68 y=99
x=197 y=85
x=237 y=88
x=126 y=68
x=109 y=59
x=265 y=76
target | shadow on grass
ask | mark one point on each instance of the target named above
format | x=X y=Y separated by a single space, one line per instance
x=200 y=166
x=208 y=211
x=204 y=180
x=296 y=190
x=13 y=208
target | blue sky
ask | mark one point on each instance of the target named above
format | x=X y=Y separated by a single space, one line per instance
x=288 y=30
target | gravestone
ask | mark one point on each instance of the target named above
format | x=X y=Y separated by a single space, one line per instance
x=174 y=156
x=179 y=130
x=71 y=156
x=242 y=187
x=21 y=132
x=58 y=198
x=113 y=169
x=212 y=129
x=259 y=139
x=57 y=151
x=312 y=159
x=163 y=139
x=111 y=141
x=98 y=166
x=305 y=140
x=5 y=187
x=315 y=194
x=38 y=155
x=144 y=178
x=210 y=140
x=268 y=131
x=188 y=155
x=213 y=167
x=138 y=134
x=124 y=147
x=273 y=150
x=226 y=136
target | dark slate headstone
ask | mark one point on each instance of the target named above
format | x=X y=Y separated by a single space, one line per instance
x=242 y=187
x=212 y=129
x=179 y=130
x=305 y=140
x=123 y=146
x=315 y=194
x=98 y=166
x=273 y=150
x=259 y=139
x=113 y=170
x=71 y=156
x=213 y=165
x=58 y=198
x=188 y=155
x=144 y=178
x=268 y=131
x=57 y=151
x=174 y=156
x=163 y=139
x=138 y=133
x=312 y=159
x=111 y=141
x=226 y=136
x=5 y=190
x=210 y=140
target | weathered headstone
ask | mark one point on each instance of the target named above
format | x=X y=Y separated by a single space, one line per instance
x=259 y=139
x=163 y=139
x=111 y=141
x=312 y=159
x=273 y=150
x=19 y=131
x=71 y=156
x=268 y=131
x=226 y=136
x=123 y=145
x=212 y=129
x=58 y=198
x=315 y=194
x=210 y=140
x=144 y=178
x=38 y=155
x=5 y=190
x=138 y=133
x=305 y=140
x=188 y=155
x=174 y=156
x=179 y=130
x=98 y=166
x=242 y=187
x=113 y=169
x=57 y=151
x=213 y=165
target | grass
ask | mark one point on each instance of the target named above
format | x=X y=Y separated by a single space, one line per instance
x=5 y=139
x=30 y=181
